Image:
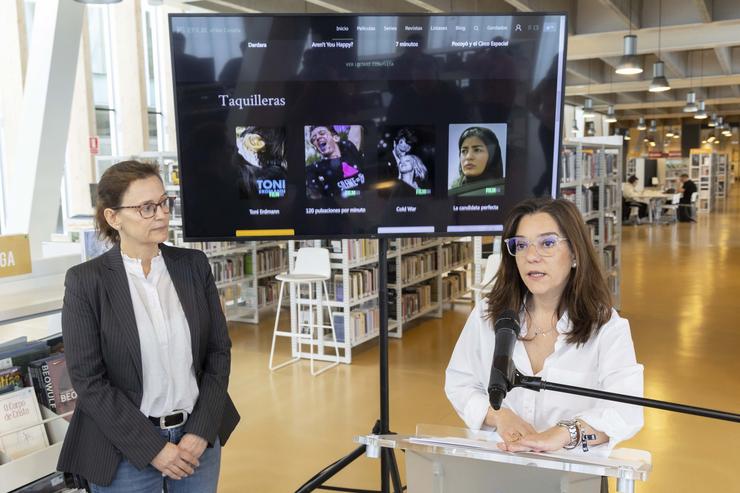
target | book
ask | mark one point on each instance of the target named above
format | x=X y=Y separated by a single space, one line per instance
x=52 y=384
x=10 y=379
x=22 y=355
x=53 y=483
x=19 y=410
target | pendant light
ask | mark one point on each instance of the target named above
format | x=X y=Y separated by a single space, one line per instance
x=641 y=124
x=588 y=108
x=610 y=116
x=653 y=126
x=712 y=121
x=574 y=128
x=627 y=134
x=630 y=63
x=701 y=114
x=669 y=133
x=691 y=106
x=659 y=83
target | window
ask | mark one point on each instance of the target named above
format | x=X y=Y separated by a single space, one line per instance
x=153 y=79
x=102 y=80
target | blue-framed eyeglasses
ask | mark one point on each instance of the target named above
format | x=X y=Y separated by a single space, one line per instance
x=544 y=245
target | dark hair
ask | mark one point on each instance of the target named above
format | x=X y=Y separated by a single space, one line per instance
x=111 y=188
x=330 y=128
x=271 y=160
x=632 y=179
x=684 y=175
x=494 y=166
x=408 y=135
x=586 y=296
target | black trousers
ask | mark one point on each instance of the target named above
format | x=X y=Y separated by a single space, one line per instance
x=642 y=208
x=684 y=212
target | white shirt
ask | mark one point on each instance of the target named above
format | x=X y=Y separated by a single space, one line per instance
x=164 y=336
x=629 y=191
x=606 y=362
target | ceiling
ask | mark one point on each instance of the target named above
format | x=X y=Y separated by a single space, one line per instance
x=699 y=44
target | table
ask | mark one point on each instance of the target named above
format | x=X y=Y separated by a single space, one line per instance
x=654 y=199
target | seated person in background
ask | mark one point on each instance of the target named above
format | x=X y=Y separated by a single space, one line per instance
x=687 y=188
x=570 y=334
x=629 y=194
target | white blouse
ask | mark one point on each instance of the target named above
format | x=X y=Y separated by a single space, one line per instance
x=606 y=362
x=164 y=336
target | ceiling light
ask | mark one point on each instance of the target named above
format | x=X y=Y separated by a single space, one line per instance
x=669 y=133
x=610 y=116
x=659 y=83
x=653 y=126
x=574 y=128
x=711 y=139
x=701 y=114
x=588 y=108
x=713 y=120
x=641 y=124
x=627 y=135
x=690 y=103
x=630 y=63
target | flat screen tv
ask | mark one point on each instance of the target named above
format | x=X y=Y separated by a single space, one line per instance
x=341 y=126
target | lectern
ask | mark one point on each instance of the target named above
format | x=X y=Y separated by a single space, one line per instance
x=443 y=459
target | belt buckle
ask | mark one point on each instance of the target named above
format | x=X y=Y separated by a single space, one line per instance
x=162 y=420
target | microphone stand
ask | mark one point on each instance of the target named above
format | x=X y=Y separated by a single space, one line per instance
x=537 y=384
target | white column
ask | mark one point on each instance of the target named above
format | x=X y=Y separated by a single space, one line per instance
x=13 y=58
x=127 y=48
x=44 y=121
x=80 y=162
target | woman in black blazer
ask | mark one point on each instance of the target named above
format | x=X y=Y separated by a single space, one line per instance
x=147 y=349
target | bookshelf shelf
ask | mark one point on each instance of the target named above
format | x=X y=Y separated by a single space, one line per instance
x=595 y=164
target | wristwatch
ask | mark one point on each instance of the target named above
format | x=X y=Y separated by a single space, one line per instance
x=574 y=429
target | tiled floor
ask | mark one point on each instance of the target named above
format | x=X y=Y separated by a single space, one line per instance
x=681 y=293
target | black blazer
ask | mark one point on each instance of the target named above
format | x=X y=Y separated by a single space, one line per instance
x=101 y=343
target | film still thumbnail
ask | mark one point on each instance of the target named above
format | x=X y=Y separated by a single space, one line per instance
x=335 y=161
x=477 y=159
x=259 y=156
x=406 y=160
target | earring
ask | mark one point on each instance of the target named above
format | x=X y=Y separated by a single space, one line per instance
x=573 y=265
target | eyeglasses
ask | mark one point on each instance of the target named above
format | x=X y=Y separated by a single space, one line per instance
x=148 y=210
x=544 y=245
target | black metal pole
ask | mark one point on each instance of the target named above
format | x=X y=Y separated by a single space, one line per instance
x=384 y=390
x=536 y=383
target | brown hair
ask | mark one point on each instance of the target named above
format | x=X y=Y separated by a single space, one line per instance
x=586 y=296
x=111 y=188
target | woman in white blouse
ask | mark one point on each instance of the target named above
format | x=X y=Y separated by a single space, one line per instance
x=570 y=334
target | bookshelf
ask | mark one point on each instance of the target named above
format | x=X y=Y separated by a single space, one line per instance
x=428 y=272
x=723 y=175
x=590 y=177
x=674 y=168
x=703 y=171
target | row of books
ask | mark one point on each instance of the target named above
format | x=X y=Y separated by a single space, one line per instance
x=609 y=257
x=362 y=323
x=268 y=290
x=588 y=198
x=356 y=249
x=413 y=300
x=227 y=268
x=589 y=164
x=414 y=266
x=267 y=260
x=454 y=285
x=31 y=373
x=455 y=253
x=362 y=282
x=407 y=243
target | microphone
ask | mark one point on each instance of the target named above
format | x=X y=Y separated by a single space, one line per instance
x=507 y=330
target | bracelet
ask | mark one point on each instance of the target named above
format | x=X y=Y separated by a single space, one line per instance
x=574 y=429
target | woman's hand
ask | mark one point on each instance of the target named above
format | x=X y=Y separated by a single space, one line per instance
x=549 y=440
x=174 y=462
x=508 y=424
x=193 y=444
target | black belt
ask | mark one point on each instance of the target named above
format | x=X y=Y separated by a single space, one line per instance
x=170 y=421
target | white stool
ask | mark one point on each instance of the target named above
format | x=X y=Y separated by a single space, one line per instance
x=489 y=274
x=312 y=267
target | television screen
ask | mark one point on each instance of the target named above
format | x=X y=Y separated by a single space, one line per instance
x=318 y=126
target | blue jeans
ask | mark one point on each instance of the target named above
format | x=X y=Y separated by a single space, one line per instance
x=129 y=479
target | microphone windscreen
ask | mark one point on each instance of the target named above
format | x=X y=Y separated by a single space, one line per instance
x=508 y=319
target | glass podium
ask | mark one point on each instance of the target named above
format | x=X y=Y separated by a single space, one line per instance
x=443 y=459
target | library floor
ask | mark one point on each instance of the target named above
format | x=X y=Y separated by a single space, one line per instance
x=679 y=291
